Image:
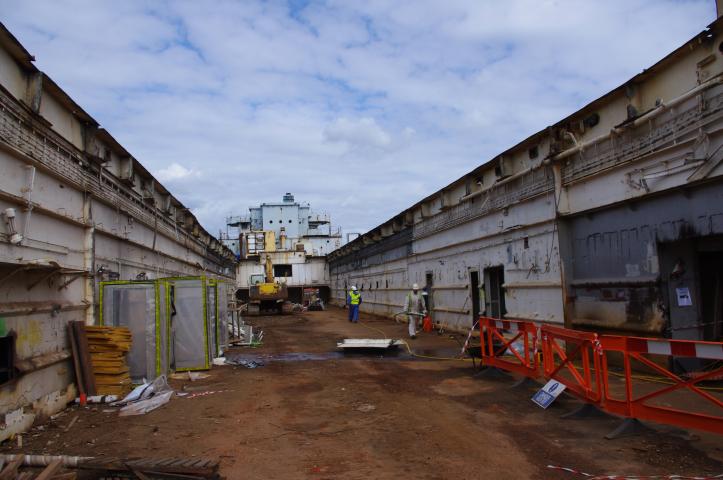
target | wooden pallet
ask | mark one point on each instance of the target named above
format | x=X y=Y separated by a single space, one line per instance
x=96 y=468
x=14 y=470
x=162 y=468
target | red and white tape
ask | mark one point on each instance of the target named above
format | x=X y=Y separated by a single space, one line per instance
x=469 y=336
x=632 y=477
x=677 y=348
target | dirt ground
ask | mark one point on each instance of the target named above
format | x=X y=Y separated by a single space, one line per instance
x=311 y=412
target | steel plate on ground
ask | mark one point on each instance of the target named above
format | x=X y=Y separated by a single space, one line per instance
x=368 y=343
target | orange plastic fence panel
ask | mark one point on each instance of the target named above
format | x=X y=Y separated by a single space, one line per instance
x=494 y=344
x=616 y=405
x=573 y=359
x=639 y=405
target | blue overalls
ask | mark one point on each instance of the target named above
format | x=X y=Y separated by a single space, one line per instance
x=353 y=299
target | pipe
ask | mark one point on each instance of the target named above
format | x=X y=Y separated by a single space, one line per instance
x=29 y=201
x=45 y=460
x=522 y=285
x=638 y=121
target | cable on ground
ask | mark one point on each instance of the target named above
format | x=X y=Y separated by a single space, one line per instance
x=411 y=352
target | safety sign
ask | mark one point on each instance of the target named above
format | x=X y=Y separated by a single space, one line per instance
x=683 y=295
x=547 y=394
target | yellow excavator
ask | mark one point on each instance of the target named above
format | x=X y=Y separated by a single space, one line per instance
x=265 y=294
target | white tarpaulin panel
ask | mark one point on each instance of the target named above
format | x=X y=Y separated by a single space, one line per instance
x=189 y=324
x=223 y=315
x=211 y=325
x=134 y=305
x=163 y=331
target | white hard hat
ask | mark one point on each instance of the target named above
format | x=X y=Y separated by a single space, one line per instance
x=353 y=287
x=415 y=287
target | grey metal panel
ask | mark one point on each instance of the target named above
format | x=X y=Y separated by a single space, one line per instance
x=619 y=279
x=621 y=242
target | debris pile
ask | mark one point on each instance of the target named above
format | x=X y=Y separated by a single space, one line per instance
x=145 y=398
x=245 y=335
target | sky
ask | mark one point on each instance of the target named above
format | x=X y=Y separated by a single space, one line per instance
x=361 y=108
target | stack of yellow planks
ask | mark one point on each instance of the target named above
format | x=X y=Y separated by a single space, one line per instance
x=108 y=349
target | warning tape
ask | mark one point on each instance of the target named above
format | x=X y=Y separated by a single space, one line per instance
x=469 y=336
x=632 y=477
x=677 y=347
x=203 y=394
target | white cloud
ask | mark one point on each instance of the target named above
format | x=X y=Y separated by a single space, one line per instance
x=364 y=132
x=264 y=102
x=175 y=172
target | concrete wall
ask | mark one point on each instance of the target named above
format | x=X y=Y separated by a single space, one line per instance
x=575 y=215
x=85 y=215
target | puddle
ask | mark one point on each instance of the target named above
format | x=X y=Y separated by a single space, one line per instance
x=288 y=357
x=389 y=354
x=452 y=352
x=392 y=353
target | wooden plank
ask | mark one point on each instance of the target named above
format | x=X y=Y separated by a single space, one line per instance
x=181 y=476
x=71 y=423
x=11 y=469
x=65 y=476
x=84 y=355
x=138 y=474
x=50 y=470
x=76 y=360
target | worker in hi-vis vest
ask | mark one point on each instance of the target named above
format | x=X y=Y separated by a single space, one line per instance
x=414 y=304
x=353 y=300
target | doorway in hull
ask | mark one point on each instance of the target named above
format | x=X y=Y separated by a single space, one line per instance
x=691 y=272
x=474 y=293
x=428 y=303
x=494 y=293
x=711 y=294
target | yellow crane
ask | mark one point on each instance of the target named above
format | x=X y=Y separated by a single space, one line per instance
x=265 y=294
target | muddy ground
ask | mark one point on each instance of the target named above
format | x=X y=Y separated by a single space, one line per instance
x=326 y=416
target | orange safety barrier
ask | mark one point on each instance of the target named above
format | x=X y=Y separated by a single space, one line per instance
x=493 y=344
x=561 y=348
x=580 y=361
x=639 y=404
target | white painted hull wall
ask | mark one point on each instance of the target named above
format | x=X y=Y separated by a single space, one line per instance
x=306 y=271
x=81 y=224
x=587 y=218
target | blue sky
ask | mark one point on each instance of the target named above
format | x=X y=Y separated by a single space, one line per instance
x=361 y=108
